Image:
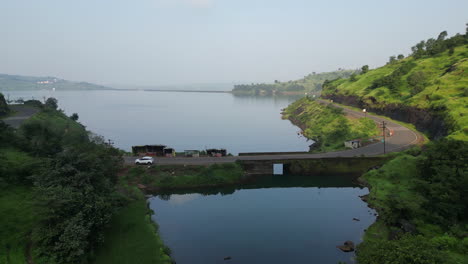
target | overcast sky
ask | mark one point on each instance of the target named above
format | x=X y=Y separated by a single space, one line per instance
x=159 y=42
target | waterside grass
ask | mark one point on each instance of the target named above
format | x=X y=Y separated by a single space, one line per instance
x=177 y=177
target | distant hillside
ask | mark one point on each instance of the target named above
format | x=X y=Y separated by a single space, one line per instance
x=310 y=83
x=17 y=82
x=428 y=88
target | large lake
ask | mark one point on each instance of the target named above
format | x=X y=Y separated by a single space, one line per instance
x=181 y=120
x=279 y=219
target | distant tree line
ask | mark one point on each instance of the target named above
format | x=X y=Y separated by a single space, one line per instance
x=433 y=46
x=310 y=83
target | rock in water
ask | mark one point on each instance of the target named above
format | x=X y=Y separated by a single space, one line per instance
x=348 y=246
x=227 y=258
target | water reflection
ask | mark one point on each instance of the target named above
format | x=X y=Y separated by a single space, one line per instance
x=275 y=219
x=272 y=181
x=180 y=198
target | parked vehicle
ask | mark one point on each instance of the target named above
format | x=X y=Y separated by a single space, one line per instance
x=145 y=160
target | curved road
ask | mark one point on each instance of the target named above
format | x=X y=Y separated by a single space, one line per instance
x=402 y=139
x=22 y=112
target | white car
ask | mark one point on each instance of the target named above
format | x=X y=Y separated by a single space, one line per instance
x=144 y=160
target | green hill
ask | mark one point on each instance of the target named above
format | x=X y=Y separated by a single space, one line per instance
x=310 y=83
x=18 y=82
x=428 y=88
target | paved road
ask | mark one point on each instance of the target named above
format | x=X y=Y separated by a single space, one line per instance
x=402 y=138
x=22 y=113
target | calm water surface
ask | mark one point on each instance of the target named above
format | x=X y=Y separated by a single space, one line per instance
x=278 y=219
x=282 y=219
x=181 y=120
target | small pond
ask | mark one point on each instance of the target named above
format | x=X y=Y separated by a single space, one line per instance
x=276 y=219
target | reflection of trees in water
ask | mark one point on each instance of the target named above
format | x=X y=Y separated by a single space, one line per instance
x=165 y=197
x=270 y=181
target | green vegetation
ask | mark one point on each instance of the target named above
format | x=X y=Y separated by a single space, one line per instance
x=421 y=195
x=310 y=83
x=434 y=78
x=17 y=82
x=327 y=125
x=422 y=203
x=339 y=166
x=3 y=106
x=63 y=201
x=19 y=216
x=174 y=177
x=132 y=238
x=60 y=191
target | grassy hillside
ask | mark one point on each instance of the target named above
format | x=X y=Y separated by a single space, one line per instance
x=420 y=195
x=18 y=82
x=328 y=126
x=435 y=83
x=132 y=238
x=310 y=83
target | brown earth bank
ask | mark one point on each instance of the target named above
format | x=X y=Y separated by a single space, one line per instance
x=423 y=119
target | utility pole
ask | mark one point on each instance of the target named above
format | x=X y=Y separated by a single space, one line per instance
x=383 y=133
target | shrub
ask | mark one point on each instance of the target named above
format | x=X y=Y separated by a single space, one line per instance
x=3 y=105
x=33 y=103
x=407 y=250
x=51 y=103
x=418 y=81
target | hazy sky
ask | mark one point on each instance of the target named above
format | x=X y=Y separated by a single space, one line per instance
x=156 y=42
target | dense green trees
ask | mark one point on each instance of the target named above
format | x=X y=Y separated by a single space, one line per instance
x=407 y=250
x=76 y=192
x=73 y=175
x=423 y=202
x=443 y=181
x=433 y=46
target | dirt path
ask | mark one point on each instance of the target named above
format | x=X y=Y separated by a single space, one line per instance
x=22 y=112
